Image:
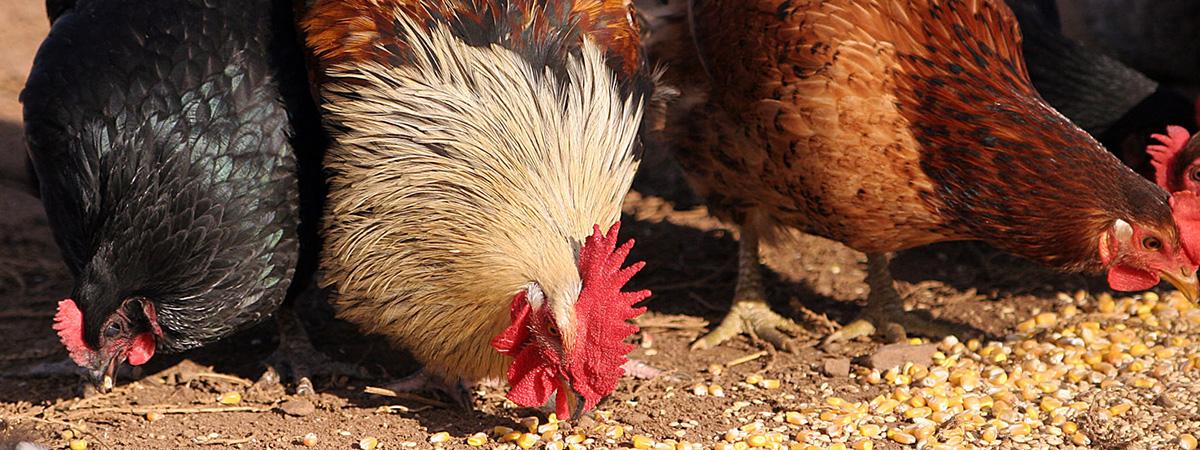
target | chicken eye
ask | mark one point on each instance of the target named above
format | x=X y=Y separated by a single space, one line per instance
x=1194 y=174
x=1152 y=243
x=113 y=330
x=552 y=329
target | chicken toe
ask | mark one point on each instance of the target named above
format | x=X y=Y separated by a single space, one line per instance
x=424 y=380
x=750 y=313
x=885 y=312
x=299 y=360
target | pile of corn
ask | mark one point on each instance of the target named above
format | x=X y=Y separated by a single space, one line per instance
x=1125 y=374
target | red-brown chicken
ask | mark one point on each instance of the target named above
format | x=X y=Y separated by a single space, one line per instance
x=891 y=124
x=478 y=144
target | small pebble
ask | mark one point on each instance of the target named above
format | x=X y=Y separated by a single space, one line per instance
x=298 y=407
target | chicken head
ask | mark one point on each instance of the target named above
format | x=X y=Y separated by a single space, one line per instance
x=129 y=334
x=575 y=348
x=1138 y=257
x=1176 y=160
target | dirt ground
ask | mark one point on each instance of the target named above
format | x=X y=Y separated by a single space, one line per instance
x=690 y=267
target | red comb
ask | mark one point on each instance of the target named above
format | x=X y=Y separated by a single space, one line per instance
x=1165 y=156
x=69 y=324
x=1185 y=208
x=603 y=310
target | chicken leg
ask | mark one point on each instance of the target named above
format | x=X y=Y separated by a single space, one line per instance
x=297 y=357
x=885 y=310
x=749 y=312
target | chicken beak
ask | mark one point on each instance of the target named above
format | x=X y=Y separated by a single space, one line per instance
x=102 y=377
x=1185 y=280
x=573 y=399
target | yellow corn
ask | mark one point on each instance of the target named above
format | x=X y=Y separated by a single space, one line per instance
x=477 y=439
x=1187 y=441
x=1120 y=408
x=526 y=440
x=642 y=442
x=440 y=437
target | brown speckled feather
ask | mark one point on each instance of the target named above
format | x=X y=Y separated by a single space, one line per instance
x=544 y=31
x=889 y=124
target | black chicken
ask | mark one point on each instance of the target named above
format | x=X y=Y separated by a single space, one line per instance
x=170 y=140
x=1118 y=105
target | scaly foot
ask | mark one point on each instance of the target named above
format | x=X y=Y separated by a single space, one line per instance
x=885 y=312
x=750 y=313
x=299 y=360
x=756 y=319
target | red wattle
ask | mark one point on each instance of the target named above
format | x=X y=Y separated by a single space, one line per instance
x=142 y=349
x=1125 y=278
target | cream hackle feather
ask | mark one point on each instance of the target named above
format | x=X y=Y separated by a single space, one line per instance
x=461 y=179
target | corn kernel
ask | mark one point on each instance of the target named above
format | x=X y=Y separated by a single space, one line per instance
x=547 y=427
x=1187 y=441
x=642 y=442
x=1120 y=408
x=440 y=437
x=756 y=440
x=989 y=434
x=740 y=445
x=230 y=398
x=527 y=440
x=753 y=379
x=501 y=431
x=733 y=435
x=477 y=439
x=369 y=443
x=793 y=417
x=1050 y=404
x=530 y=423
x=700 y=389
x=1080 y=439
x=722 y=446
x=554 y=446
x=973 y=344
x=902 y=437
x=885 y=407
x=308 y=440
x=1026 y=326
x=863 y=444
x=1020 y=430
x=870 y=430
x=510 y=436
x=751 y=427
x=1107 y=305
x=574 y=438
x=614 y=432
x=917 y=412
x=838 y=446
x=78 y=444
x=153 y=416
x=769 y=384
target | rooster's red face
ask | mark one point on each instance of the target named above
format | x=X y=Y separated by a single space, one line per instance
x=129 y=334
x=574 y=348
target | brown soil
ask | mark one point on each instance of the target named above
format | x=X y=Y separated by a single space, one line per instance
x=691 y=270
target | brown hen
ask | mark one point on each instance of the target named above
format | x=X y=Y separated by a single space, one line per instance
x=891 y=124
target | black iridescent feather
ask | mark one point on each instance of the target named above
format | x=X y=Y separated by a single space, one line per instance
x=173 y=142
